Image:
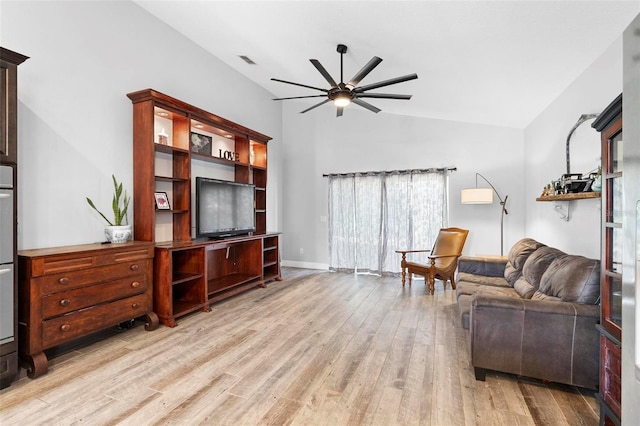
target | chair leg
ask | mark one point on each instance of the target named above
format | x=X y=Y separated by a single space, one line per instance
x=432 y=283
x=453 y=282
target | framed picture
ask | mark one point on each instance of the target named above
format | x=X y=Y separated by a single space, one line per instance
x=162 y=201
x=200 y=143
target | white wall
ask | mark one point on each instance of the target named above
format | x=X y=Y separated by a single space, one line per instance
x=317 y=143
x=75 y=121
x=545 y=159
x=631 y=226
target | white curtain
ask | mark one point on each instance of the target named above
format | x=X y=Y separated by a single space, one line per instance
x=373 y=214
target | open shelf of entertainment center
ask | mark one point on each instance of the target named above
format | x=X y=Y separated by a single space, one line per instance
x=173 y=144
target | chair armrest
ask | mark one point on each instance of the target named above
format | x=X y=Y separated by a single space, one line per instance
x=487 y=266
x=550 y=340
x=412 y=251
x=567 y=309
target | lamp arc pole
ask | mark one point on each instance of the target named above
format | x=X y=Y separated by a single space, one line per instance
x=503 y=204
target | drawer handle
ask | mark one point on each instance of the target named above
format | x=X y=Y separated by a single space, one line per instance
x=135 y=305
x=135 y=284
x=134 y=267
x=65 y=302
x=65 y=327
x=64 y=280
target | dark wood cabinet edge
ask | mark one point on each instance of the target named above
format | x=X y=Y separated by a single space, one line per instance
x=11 y=56
x=609 y=114
x=151 y=94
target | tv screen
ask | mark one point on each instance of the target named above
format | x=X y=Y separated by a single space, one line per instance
x=224 y=208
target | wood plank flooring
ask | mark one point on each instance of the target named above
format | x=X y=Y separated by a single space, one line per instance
x=317 y=348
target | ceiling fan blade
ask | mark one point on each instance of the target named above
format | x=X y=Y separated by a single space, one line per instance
x=382 y=96
x=339 y=111
x=324 y=72
x=315 y=106
x=366 y=105
x=364 y=71
x=298 y=84
x=300 y=97
x=386 y=83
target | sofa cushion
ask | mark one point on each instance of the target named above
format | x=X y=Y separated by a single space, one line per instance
x=571 y=278
x=534 y=267
x=482 y=279
x=517 y=257
x=465 y=292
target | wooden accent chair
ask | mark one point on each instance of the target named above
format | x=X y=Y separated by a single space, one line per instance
x=443 y=259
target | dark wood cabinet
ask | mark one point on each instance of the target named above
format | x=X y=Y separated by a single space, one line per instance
x=70 y=292
x=609 y=124
x=9 y=62
x=191 y=274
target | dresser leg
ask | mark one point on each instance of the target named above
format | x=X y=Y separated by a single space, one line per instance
x=152 y=321
x=37 y=365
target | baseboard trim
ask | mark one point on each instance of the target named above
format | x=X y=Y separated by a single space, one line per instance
x=305 y=265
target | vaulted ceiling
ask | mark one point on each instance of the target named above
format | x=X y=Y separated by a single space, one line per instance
x=493 y=62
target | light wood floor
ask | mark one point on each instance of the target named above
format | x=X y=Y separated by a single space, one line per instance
x=317 y=348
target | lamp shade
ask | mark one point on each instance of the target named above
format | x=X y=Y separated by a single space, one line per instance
x=476 y=196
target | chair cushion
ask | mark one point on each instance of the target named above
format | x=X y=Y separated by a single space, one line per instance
x=571 y=278
x=517 y=257
x=533 y=269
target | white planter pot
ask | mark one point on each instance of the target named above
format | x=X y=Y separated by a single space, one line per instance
x=117 y=234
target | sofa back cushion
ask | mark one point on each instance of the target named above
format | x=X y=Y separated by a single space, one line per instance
x=517 y=257
x=571 y=278
x=533 y=270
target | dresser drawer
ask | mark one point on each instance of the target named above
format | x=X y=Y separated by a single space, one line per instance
x=66 y=301
x=66 y=281
x=79 y=323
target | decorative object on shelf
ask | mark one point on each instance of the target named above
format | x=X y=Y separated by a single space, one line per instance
x=200 y=143
x=229 y=155
x=163 y=137
x=596 y=185
x=342 y=94
x=119 y=230
x=162 y=201
x=549 y=189
x=582 y=119
x=485 y=196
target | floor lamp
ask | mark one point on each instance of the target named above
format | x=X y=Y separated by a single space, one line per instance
x=485 y=196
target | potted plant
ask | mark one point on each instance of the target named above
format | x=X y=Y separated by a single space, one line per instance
x=119 y=230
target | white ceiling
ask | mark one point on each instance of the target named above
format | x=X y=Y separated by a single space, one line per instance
x=493 y=62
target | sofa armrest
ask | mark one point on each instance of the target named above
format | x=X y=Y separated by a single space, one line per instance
x=487 y=266
x=549 y=340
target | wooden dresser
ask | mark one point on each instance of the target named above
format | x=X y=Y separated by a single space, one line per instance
x=69 y=292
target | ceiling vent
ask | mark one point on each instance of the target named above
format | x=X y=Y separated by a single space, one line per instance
x=246 y=59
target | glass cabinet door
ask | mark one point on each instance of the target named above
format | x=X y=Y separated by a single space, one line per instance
x=612 y=255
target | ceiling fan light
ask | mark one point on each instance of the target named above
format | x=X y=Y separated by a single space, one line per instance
x=342 y=101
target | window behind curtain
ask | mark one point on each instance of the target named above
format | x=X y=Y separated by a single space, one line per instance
x=373 y=214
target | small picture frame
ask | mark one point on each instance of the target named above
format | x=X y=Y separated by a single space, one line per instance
x=200 y=144
x=162 y=201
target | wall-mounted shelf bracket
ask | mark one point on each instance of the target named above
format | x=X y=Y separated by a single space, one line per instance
x=562 y=208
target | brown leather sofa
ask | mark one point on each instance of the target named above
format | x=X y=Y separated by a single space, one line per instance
x=532 y=314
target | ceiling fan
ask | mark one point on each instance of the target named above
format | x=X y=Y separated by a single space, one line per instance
x=342 y=94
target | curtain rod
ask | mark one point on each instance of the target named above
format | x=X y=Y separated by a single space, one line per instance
x=392 y=172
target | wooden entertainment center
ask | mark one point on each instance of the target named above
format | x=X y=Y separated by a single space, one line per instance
x=168 y=154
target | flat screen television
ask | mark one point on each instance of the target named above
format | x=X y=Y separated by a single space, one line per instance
x=224 y=208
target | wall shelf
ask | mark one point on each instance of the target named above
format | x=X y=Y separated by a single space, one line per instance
x=569 y=197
